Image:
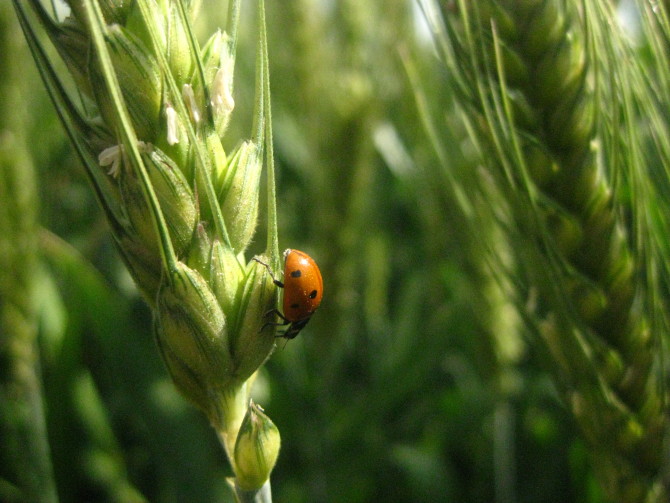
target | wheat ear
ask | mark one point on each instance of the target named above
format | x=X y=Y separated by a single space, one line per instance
x=534 y=78
x=147 y=120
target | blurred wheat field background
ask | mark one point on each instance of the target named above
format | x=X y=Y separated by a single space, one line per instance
x=486 y=188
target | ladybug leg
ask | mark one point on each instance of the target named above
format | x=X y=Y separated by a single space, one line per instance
x=293 y=329
x=274 y=280
x=282 y=323
x=276 y=312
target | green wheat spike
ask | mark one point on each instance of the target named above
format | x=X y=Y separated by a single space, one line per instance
x=548 y=100
x=148 y=120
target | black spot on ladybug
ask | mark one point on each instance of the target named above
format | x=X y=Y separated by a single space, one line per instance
x=296 y=274
x=295 y=306
x=312 y=294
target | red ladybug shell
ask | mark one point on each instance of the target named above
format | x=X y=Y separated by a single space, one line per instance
x=303 y=286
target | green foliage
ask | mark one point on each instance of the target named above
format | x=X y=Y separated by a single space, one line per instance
x=25 y=466
x=488 y=204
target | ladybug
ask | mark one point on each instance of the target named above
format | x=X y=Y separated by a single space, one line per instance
x=303 y=289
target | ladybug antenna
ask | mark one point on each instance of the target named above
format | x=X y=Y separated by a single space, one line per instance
x=274 y=280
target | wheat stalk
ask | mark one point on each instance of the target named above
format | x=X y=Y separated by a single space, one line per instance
x=148 y=117
x=551 y=110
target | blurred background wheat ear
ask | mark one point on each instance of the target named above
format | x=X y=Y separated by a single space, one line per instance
x=555 y=118
x=485 y=186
